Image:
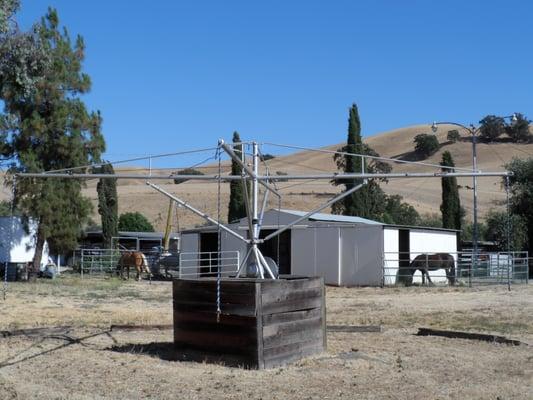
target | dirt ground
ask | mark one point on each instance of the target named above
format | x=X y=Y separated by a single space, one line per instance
x=88 y=361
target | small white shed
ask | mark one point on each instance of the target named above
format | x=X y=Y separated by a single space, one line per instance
x=346 y=251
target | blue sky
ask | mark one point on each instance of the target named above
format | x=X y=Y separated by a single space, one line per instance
x=172 y=75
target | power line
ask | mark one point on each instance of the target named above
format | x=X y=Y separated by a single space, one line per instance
x=132 y=159
x=395 y=160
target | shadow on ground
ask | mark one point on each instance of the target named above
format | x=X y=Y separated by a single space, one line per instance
x=169 y=352
x=163 y=350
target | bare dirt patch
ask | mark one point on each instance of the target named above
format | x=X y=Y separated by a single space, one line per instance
x=88 y=361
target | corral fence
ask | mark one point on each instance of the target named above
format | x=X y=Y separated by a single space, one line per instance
x=102 y=262
x=465 y=269
x=207 y=263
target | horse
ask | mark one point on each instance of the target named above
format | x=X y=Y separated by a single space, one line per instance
x=134 y=259
x=432 y=262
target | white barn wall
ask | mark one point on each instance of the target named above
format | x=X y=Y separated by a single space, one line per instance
x=429 y=241
x=231 y=243
x=361 y=255
x=190 y=242
x=391 y=248
x=303 y=252
x=327 y=254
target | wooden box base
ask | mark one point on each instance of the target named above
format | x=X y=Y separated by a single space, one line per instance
x=263 y=323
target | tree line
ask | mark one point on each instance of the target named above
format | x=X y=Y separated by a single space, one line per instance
x=371 y=201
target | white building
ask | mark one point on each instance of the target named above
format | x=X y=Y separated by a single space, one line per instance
x=346 y=251
x=17 y=242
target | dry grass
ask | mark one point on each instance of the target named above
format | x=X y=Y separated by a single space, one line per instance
x=394 y=364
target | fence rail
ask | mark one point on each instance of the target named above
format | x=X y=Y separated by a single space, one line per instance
x=101 y=262
x=465 y=269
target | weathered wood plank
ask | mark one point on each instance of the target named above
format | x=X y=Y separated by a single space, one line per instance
x=240 y=342
x=467 y=335
x=284 y=354
x=292 y=305
x=205 y=295
x=325 y=336
x=186 y=317
x=259 y=327
x=272 y=288
x=292 y=332
x=290 y=316
x=226 y=286
x=139 y=327
x=355 y=328
x=289 y=295
x=43 y=331
x=227 y=308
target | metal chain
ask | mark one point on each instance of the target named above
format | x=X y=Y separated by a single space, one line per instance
x=279 y=236
x=219 y=248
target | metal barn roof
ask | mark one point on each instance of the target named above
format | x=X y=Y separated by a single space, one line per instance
x=333 y=218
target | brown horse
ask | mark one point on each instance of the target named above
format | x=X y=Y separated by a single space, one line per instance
x=433 y=262
x=133 y=259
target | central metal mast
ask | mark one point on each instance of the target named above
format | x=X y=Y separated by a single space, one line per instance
x=260 y=262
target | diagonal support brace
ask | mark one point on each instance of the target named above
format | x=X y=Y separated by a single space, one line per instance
x=197 y=212
x=310 y=213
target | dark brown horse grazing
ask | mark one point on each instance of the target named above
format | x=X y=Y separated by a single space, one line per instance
x=433 y=262
x=133 y=259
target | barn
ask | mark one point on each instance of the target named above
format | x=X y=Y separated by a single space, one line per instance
x=346 y=251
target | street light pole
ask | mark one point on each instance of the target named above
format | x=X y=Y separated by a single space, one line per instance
x=473 y=132
x=474 y=178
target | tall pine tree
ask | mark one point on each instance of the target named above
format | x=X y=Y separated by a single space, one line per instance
x=236 y=207
x=107 y=204
x=50 y=128
x=451 y=204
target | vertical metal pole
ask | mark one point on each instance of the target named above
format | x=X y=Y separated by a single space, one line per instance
x=473 y=265
x=81 y=264
x=255 y=195
x=363 y=167
x=150 y=166
x=510 y=257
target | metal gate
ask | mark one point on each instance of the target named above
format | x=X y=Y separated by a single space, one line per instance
x=484 y=269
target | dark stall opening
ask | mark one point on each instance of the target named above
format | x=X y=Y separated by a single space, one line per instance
x=270 y=249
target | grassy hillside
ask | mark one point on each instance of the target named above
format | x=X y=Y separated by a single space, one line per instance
x=423 y=194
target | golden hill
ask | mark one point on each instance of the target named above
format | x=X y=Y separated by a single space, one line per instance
x=423 y=194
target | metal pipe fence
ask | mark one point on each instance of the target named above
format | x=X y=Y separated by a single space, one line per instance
x=417 y=268
x=207 y=263
x=169 y=264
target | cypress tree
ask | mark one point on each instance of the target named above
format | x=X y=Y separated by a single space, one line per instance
x=108 y=204
x=236 y=207
x=355 y=203
x=451 y=204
